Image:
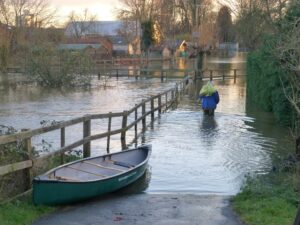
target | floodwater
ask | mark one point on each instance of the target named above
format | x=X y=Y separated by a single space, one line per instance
x=191 y=153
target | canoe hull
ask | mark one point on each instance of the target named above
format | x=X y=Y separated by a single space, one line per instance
x=51 y=192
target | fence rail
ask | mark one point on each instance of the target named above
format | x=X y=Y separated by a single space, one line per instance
x=156 y=103
x=206 y=74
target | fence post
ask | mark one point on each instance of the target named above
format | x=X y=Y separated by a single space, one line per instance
x=62 y=143
x=124 y=127
x=86 y=133
x=176 y=93
x=152 y=109
x=223 y=72
x=28 y=150
x=172 y=96
x=234 y=76
x=210 y=75
x=166 y=100
x=159 y=104
x=161 y=75
x=135 y=126
x=143 y=114
x=108 y=131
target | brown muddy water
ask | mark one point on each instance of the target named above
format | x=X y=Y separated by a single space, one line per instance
x=191 y=153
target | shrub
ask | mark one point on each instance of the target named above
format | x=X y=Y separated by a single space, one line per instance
x=264 y=86
x=54 y=68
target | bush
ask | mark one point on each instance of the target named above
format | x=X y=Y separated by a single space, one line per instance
x=54 y=68
x=264 y=86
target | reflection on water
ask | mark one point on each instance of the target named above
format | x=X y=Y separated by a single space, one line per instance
x=200 y=154
x=139 y=185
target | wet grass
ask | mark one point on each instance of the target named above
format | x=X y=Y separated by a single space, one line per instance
x=271 y=199
x=22 y=211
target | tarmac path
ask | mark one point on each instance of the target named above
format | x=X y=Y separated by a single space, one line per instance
x=146 y=209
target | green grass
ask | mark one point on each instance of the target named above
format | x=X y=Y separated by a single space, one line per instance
x=22 y=212
x=268 y=200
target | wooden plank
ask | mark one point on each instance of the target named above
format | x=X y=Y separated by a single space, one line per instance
x=86 y=134
x=135 y=125
x=15 y=167
x=143 y=115
x=62 y=143
x=4 y=139
x=108 y=136
x=28 y=149
x=152 y=109
x=124 y=125
x=84 y=171
x=101 y=166
x=123 y=133
x=67 y=179
x=159 y=104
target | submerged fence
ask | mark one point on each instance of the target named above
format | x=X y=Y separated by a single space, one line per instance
x=140 y=114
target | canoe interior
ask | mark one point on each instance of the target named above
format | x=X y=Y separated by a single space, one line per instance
x=97 y=168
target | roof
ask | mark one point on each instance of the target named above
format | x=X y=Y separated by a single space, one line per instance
x=77 y=46
x=104 y=28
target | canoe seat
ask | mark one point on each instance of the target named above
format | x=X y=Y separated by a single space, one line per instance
x=123 y=164
x=104 y=167
x=66 y=178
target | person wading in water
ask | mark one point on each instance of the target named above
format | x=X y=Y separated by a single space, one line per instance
x=209 y=97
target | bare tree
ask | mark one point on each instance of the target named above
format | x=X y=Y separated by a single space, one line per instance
x=173 y=16
x=255 y=17
x=224 y=23
x=288 y=51
x=79 y=24
x=21 y=13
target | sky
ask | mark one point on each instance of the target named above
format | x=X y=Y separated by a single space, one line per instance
x=104 y=9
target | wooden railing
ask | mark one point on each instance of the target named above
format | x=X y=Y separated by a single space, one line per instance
x=206 y=74
x=148 y=107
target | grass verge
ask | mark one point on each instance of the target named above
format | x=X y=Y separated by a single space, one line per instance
x=22 y=211
x=270 y=199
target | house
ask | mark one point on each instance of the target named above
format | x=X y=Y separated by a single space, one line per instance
x=124 y=35
x=96 y=46
x=96 y=51
x=120 y=46
x=166 y=52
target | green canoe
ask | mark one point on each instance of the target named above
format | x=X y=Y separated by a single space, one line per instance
x=90 y=177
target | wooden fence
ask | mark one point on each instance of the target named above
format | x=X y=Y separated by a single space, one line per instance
x=207 y=74
x=148 y=107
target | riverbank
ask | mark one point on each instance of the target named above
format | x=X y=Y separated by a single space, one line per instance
x=269 y=199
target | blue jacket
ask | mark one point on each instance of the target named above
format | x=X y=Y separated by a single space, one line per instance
x=210 y=102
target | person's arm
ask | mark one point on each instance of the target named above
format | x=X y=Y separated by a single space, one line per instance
x=216 y=96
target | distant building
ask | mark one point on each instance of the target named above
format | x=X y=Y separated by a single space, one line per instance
x=97 y=47
x=124 y=36
x=166 y=52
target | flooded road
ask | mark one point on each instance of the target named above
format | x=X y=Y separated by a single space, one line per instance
x=191 y=153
